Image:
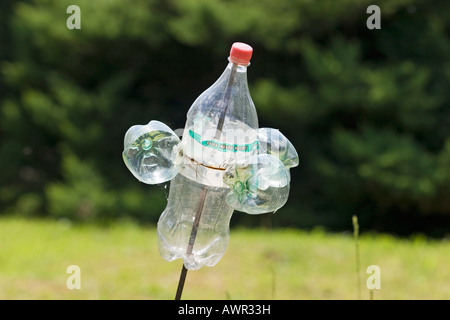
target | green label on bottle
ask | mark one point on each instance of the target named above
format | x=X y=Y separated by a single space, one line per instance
x=224 y=147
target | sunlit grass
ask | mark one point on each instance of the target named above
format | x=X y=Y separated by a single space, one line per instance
x=122 y=262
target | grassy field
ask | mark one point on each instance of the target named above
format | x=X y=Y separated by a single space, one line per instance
x=122 y=262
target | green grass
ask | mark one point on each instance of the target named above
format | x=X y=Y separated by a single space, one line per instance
x=122 y=262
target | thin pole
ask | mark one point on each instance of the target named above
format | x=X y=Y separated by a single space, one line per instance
x=181 y=282
x=190 y=246
x=198 y=213
x=226 y=101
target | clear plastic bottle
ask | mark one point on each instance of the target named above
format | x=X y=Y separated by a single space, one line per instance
x=221 y=130
x=223 y=163
x=222 y=123
x=150 y=152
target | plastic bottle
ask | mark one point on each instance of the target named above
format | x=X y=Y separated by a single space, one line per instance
x=221 y=130
x=150 y=152
x=223 y=163
x=261 y=185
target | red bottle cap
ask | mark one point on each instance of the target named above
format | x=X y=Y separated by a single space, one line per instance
x=241 y=53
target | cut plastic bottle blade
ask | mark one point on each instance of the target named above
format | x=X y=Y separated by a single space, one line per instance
x=259 y=187
x=150 y=152
x=272 y=141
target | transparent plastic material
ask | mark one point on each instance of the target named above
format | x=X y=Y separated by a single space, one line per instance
x=222 y=124
x=175 y=225
x=262 y=184
x=259 y=187
x=223 y=163
x=221 y=130
x=150 y=152
x=272 y=141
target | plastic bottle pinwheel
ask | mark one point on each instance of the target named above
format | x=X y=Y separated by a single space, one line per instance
x=223 y=162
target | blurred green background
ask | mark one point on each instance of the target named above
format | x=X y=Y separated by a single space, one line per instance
x=367 y=110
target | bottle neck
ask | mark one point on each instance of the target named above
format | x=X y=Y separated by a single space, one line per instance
x=239 y=67
x=237 y=77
